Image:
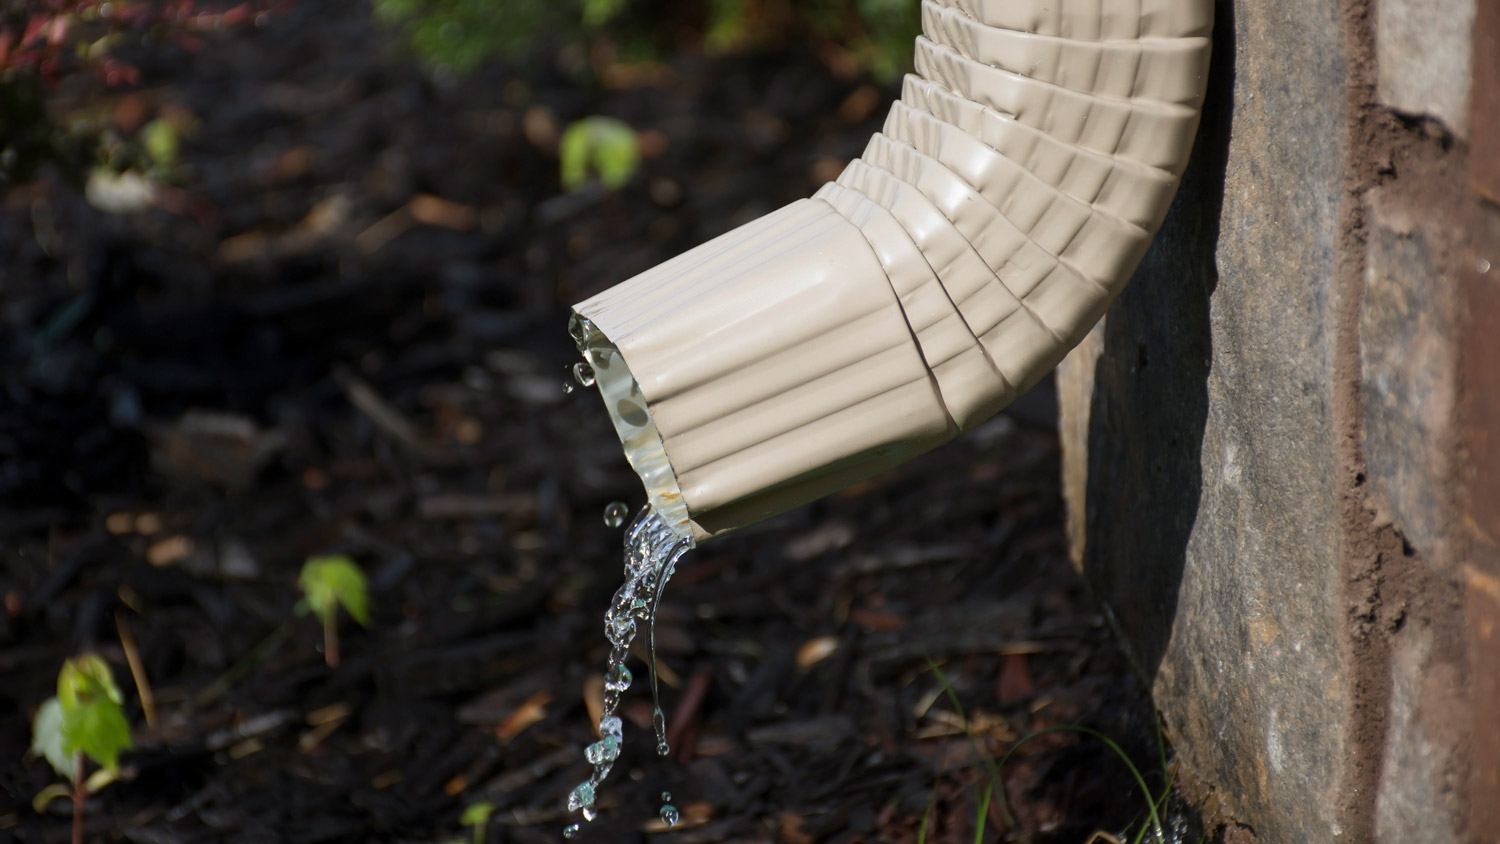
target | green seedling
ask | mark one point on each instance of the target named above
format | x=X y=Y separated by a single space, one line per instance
x=993 y=784
x=983 y=756
x=84 y=722
x=1152 y=803
x=600 y=145
x=477 y=815
x=328 y=583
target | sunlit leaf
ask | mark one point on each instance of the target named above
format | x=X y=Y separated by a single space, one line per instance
x=161 y=141
x=93 y=721
x=477 y=814
x=330 y=582
x=599 y=145
x=47 y=738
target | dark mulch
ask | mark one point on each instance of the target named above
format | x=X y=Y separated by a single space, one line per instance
x=304 y=352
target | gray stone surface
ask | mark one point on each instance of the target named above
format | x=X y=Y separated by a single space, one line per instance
x=1418 y=805
x=1424 y=48
x=1409 y=372
x=1200 y=444
x=1275 y=445
x=1409 y=380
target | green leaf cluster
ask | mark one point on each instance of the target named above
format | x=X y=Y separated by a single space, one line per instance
x=462 y=34
x=600 y=145
x=330 y=582
x=86 y=716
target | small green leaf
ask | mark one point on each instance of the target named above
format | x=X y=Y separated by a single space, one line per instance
x=329 y=582
x=99 y=779
x=92 y=720
x=601 y=145
x=52 y=792
x=100 y=731
x=47 y=738
x=477 y=814
x=162 y=142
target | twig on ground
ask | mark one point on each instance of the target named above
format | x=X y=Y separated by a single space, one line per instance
x=137 y=669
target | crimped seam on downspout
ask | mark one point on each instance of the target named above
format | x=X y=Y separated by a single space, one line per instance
x=1011 y=193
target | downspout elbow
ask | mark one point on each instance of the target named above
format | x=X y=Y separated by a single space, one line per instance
x=1010 y=195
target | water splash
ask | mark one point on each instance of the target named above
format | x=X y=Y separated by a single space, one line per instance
x=651 y=553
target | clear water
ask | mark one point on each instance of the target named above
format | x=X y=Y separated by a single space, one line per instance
x=669 y=814
x=615 y=513
x=583 y=374
x=651 y=553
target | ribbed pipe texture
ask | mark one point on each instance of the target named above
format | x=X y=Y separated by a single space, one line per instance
x=1008 y=198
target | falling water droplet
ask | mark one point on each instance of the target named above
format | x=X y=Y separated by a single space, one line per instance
x=567 y=388
x=570 y=830
x=589 y=813
x=604 y=750
x=615 y=513
x=669 y=814
x=583 y=374
x=618 y=679
x=659 y=725
x=581 y=797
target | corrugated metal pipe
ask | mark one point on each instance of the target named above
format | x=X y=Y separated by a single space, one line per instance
x=1014 y=188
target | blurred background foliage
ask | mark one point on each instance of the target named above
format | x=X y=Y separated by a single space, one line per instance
x=456 y=36
x=44 y=43
x=47 y=43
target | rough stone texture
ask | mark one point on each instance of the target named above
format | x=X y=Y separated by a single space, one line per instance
x=1280 y=450
x=1424 y=54
x=1420 y=806
x=1409 y=369
x=1211 y=404
x=1409 y=379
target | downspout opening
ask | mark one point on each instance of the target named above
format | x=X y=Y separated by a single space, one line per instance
x=633 y=424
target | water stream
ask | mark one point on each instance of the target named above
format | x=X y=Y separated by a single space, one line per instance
x=651 y=553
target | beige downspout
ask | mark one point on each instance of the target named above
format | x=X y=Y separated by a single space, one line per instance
x=1013 y=190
